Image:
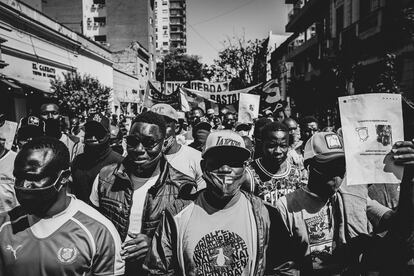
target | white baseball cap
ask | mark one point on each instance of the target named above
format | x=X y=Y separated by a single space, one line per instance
x=226 y=143
x=324 y=147
x=165 y=110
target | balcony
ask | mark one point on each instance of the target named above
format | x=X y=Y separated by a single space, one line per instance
x=176 y=21
x=176 y=14
x=301 y=17
x=300 y=48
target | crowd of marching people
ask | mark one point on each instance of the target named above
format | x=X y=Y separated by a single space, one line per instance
x=200 y=194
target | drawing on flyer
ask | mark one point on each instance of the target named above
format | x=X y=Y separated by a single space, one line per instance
x=362 y=133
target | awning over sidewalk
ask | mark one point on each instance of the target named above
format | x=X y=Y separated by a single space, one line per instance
x=11 y=85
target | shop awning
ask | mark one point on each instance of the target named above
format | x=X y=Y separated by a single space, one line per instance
x=11 y=85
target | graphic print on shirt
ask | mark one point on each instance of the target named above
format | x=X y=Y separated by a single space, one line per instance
x=276 y=187
x=221 y=253
x=320 y=235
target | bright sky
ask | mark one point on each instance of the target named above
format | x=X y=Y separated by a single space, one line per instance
x=210 y=22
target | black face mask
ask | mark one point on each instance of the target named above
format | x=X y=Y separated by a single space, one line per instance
x=98 y=148
x=37 y=201
x=52 y=128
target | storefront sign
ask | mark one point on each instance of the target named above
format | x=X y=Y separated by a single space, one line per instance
x=42 y=70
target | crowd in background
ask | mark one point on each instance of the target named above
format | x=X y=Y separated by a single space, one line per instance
x=199 y=194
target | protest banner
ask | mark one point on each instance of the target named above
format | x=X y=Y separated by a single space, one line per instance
x=172 y=86
x=248 y=108
x=154 y=96
x=209 y=86
x=7 y=133
x=369 y=135
x=225 y=98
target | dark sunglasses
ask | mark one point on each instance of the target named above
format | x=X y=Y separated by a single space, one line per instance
x=147 y=143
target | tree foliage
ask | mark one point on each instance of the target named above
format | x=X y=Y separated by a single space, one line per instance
x=180 y=67
x=240 y=58
x=77 y=94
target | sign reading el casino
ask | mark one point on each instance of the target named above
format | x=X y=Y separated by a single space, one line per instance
x=42 y=70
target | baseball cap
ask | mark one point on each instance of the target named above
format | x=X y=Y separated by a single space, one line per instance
x=165 y=110
x=30 y=127
x=226 y=143
x=202 y=125
x=97 y=120
x=242 y=126
x=324 y=147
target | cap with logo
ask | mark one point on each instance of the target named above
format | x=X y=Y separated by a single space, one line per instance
x=30 y=127
x=324 y=147
x=226 y=143
x=97 y=120
x=165 y=110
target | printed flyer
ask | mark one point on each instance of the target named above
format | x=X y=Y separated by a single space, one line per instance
x=371 y=124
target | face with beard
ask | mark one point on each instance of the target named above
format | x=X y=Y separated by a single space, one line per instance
x=144 y=145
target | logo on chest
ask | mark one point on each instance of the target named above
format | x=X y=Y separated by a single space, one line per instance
x=13 y=250
x=67 y=255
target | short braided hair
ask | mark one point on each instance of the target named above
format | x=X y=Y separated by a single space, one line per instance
x=61 y=159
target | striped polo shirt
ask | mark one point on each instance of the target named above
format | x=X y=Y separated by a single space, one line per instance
x=77 y=241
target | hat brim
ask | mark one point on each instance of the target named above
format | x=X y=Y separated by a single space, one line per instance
x=326 y=158
x=236 y=153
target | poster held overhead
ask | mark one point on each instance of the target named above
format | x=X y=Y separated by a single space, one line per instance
x=7 y=133
x=248 y=108
x=369 y=136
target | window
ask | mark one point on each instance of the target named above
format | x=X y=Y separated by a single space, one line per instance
x=339 y=19
x=165 y=43
x=100 y=20
x=99 y=2
x=165 y=3
x=100 y=38
x=165 y=27
x=164 y=11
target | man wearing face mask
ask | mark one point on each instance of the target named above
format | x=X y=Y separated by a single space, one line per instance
x=223 y=231
x=51 y=232
x=320 y=218
x=133 y=193
x=49 y=113
x=97 y=154
x=181 y=157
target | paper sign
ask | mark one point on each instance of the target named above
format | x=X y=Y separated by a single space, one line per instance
x=7 y=133
x=248 y=108
x=371 y=124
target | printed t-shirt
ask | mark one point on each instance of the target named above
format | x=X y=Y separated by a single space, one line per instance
x=77 y=241
x=220 y=242
x=187 y=160
x=7 y=195
x=310 y=220
x=270 y=187
x=141 y=187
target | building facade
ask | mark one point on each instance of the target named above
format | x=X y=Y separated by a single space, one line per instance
x=35 y=50
x=115 y=24
x=338 y=47
x=171 y=30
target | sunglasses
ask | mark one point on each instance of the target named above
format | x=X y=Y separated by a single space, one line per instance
x=147 y=143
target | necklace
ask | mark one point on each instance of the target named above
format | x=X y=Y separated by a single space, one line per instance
x=271 y=175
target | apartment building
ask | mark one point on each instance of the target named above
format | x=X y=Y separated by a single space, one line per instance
x=113 y=23
x=171 y=32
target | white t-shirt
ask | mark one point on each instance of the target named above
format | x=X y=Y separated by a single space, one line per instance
x=187 y=160
x=141 y=187
x=220 y=242
x=7 y=195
